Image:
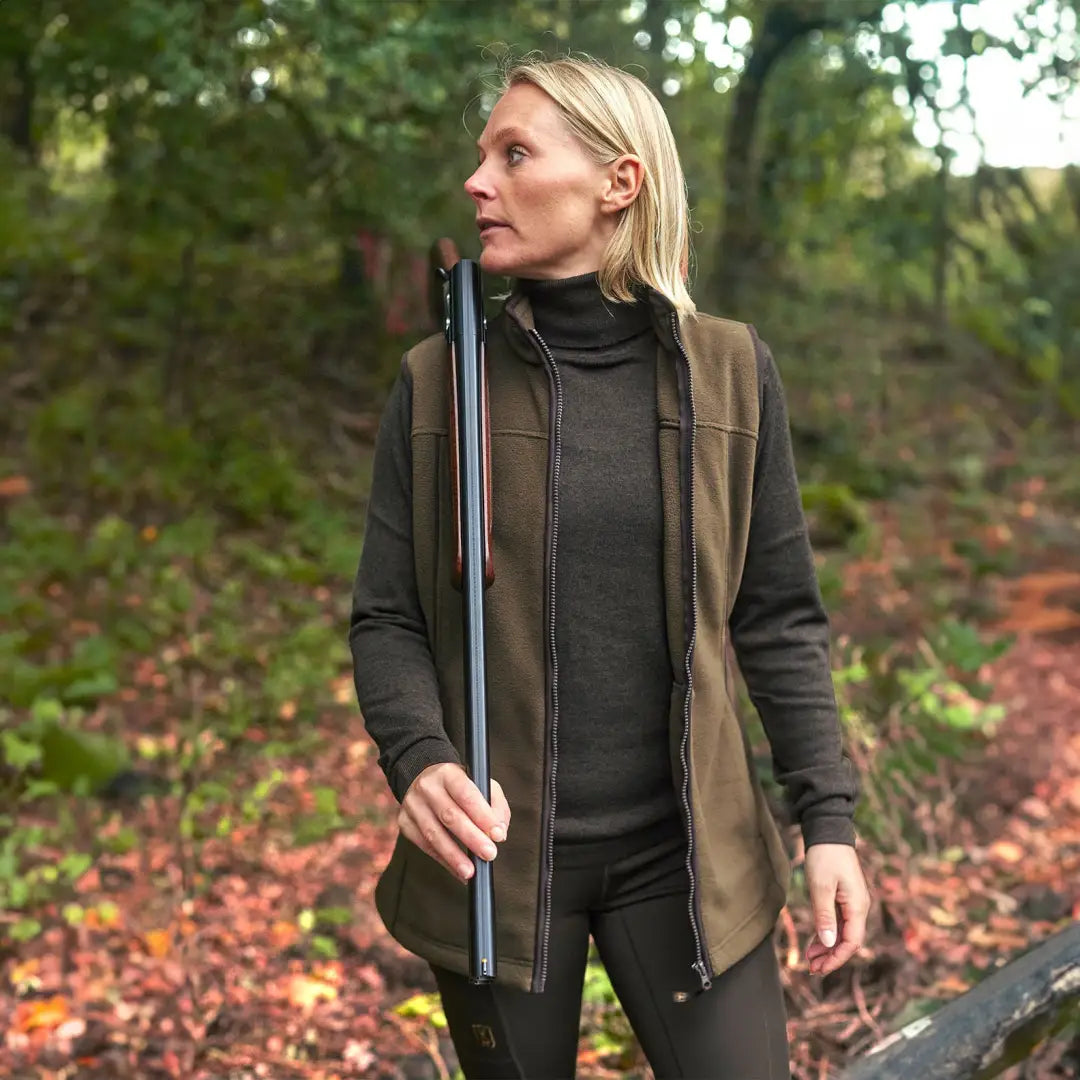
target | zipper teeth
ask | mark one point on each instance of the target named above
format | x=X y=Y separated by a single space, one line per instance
x=554 y=656
x=700 y=966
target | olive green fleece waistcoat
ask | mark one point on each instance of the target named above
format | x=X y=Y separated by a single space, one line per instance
x=739 y=863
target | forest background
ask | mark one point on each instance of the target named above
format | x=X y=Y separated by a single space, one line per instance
x=214 y=220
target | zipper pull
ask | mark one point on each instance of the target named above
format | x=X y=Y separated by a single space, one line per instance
x=681 y=997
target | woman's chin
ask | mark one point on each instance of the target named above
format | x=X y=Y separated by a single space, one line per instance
x=498 y=263
x=489 y=262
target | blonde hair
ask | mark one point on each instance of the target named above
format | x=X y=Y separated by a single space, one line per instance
x=612 y=113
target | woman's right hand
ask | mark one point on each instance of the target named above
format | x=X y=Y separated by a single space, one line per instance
x=443 y=806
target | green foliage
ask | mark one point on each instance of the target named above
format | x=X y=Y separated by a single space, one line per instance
x=909 y=712
x=597 y=989
x=49 y=746
x=835 y=516
x=136 y=590
x=427 y=1005
x=1017 y=278
x=961 y=646
x=324 y=820
x=609 y=1030
x=118 y=444
x=24 y=883
x=73 y=759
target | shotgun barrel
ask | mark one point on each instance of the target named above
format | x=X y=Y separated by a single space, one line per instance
x=456 y=291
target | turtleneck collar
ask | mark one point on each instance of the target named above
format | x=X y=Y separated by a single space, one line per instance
x=573 y=313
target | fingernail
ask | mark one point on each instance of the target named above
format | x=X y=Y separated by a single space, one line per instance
x=498 y=833
x=828 y=938
x=489 y=851
x=466 y=870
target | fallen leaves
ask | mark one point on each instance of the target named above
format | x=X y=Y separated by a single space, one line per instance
x=1006 y=851
x=248 y=994
x=914 y=938
x=104 y=916
x=792 y=954
x=45 y=1023
x=344 y=690
x=158 y=943
x=358 y=1055
x=949 y=986
x=164 y=980
x=25 y=976
x=48 y=1013
x=984 y=937
x=283 y=935
x=1005 y=877
x=1039 y=620
x=940 y=917
x=13 y=486
x=305 y=991
x=1041 y=603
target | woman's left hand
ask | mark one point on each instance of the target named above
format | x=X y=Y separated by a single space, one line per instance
x=840 y=901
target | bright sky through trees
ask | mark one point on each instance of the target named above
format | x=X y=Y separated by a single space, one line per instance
x=1015 y=129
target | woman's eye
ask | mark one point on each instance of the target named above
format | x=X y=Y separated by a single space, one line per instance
x=512 y=151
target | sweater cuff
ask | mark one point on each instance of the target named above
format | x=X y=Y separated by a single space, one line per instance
x=831 y=829
x=426 y=752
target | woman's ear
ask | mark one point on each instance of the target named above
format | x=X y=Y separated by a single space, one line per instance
x=625 y=176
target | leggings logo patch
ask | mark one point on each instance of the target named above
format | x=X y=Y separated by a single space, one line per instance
x=484 y=1036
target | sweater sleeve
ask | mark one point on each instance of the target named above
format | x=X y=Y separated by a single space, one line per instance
x=780 y=632
x=393 y=669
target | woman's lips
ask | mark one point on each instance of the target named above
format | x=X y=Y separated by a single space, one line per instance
x=487 y=230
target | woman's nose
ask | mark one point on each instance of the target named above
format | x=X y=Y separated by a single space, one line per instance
x=477 y=185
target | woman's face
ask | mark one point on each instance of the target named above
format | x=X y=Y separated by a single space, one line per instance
x=551 y=209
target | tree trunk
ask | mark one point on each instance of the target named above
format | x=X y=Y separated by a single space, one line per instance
x=740 y=235
x=941 y=238
x=785 y=24
x=18 y=106
x=992 y=1026
x=656 y=14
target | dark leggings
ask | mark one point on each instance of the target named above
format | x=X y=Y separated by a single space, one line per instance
x=632 y=896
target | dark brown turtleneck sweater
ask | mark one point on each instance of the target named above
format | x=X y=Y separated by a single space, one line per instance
x=614 y=774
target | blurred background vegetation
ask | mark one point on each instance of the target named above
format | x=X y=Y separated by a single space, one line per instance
x=213 y=230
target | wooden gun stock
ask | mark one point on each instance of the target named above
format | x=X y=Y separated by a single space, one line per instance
x=443 y=257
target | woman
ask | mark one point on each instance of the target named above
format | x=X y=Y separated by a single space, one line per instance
x=645 y=512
